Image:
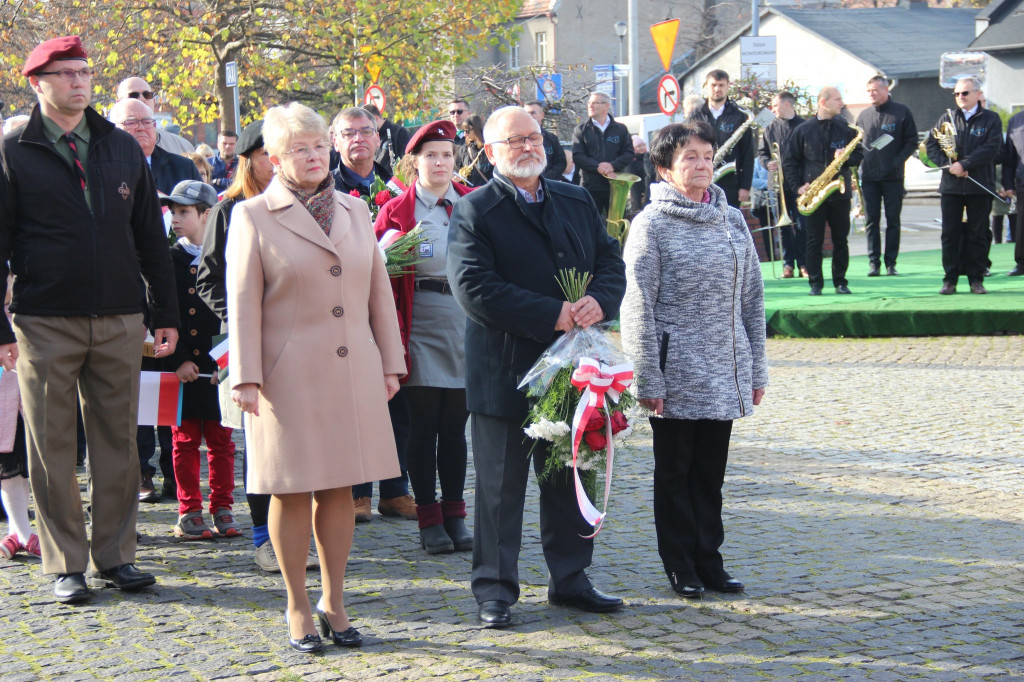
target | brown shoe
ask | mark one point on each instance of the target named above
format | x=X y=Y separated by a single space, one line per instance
x=947 y=289
x=787 y=272
x=364 y=512
x=803 y=271
x=402 y=507
x=147 y=491
x=978 y=288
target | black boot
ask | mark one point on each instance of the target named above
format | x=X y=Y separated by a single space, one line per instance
x=460 y=535
x=435 y=540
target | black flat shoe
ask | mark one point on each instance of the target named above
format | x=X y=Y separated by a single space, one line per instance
x=350 y=637
x=495 y=614
x=815 y=291
x=843 y=289
x=123 y=577
x=70 y=588
x=689 y=591
x=592 y=600
x=728 y=585
x=309 y=644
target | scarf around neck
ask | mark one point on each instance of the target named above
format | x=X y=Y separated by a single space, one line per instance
x=320 y=203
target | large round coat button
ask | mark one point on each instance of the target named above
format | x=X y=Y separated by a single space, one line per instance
x=191 y=290
x=195 y=352
x=191 y=311
x=192 y=270
x=194 y=332
x=338 y=311
x=342 y=351
x=336 y=270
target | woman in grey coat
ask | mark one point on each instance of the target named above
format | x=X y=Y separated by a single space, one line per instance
x=693 y=324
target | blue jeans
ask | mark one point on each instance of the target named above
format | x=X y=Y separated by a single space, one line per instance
x=398 y=486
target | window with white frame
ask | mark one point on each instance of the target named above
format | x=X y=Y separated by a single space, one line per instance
x=513 y=55
x=541 y=40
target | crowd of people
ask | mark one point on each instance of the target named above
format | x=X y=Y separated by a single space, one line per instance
x=341 y=374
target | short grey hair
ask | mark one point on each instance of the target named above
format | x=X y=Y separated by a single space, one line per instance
x=117 y=113
x=351 y=114
x=497 y=120
x=284 y=123
x=692 y=101
x=602 y=96
x=973 y=80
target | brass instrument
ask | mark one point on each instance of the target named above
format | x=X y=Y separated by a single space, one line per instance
x=830 y=180
x=466 y=171
x=857 y=204
x=721 y=168
x=776 y=185
x=618 y=226
x=945 y=135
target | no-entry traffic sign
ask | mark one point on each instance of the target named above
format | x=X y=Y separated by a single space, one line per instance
x=668 y=94
x=375 y=95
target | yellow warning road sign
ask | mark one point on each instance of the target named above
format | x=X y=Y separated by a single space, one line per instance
x=664 y=35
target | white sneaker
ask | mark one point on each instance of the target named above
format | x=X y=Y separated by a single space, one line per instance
x=266 y=558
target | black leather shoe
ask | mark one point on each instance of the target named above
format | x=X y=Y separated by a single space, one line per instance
x=592 y=600
x=495 y=614
x=350 y=637
x=70 y=588
x=123 y=577
x=874 y=270
x=461 y=537
x=309 y=644
x=843 y=289
x=948 y=289
x=891 y=270
x=727 y=585
x=1016 y=272
x=694 y=591
x=435 y=540
x=815 y=291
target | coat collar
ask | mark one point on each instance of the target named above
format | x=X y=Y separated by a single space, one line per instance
x=292 y=215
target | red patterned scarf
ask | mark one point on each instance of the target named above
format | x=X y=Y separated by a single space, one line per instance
x=320 y=203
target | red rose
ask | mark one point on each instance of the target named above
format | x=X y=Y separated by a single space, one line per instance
x=354 y=193
x=595 y=440
x=595 y=423
x=619 y=422
x=382 y=197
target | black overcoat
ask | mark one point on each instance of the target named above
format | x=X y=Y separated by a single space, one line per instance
x=503 y=258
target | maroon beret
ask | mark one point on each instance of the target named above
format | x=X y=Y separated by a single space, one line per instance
x=438 y=130
x=66 y=47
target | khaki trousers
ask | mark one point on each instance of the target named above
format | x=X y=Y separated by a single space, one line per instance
x=101 y=357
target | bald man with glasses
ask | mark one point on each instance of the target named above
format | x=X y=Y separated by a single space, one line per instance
x=137 y=88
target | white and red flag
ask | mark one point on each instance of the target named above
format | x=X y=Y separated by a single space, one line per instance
x=160 y=395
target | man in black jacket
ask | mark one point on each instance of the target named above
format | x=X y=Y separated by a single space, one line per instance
x=600 y=146
x=552 y=147
x=356 y=141
x=136 y=118
x=776 y=133
x=725 y=118
x=393 y=139
x=1013 y=183
x=508 y=241
x=881 y=173
x=811 y=148
x=967 y=173
x=79 y=224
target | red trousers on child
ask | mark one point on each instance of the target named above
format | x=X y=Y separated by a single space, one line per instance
x=220 y=456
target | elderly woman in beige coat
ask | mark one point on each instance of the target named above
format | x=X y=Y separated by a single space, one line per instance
x=315 y=354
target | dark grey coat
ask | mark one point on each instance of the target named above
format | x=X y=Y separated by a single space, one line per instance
x=693 y=315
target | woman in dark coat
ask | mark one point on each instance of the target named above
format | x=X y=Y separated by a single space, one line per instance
x=471 y=162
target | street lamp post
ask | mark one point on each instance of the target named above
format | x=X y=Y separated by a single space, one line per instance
x=621 y=28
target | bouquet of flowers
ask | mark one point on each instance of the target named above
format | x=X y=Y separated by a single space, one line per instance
x=401 y=251
x=578 y=402
x=380 y=194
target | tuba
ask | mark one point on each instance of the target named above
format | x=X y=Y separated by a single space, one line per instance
x=830 y=180
x=721 y=168
x=618 y=226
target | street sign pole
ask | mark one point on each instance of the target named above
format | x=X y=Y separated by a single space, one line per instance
x=634 y=60
x=231 y=80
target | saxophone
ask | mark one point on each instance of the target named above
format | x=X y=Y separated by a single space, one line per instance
x=945 y=135
x=721 y=168
x=466 y=171
x=823 y=186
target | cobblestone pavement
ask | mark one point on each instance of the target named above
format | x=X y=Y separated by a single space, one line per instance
x=874 y=507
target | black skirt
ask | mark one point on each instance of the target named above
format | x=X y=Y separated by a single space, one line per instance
x=15 y=462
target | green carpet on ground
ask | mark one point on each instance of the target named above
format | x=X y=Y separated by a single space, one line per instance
x=906 y=305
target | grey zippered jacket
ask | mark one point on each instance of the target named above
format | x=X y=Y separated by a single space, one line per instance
x=693 y=315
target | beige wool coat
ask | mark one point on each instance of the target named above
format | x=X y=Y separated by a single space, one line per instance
x=312 y=322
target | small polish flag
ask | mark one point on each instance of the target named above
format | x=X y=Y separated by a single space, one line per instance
x=219 y=353
x=160 y=395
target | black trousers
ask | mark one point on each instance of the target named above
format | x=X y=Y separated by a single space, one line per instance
x=392 y=487
x=730 y=185
x=835 y=213
x=875 y=192
x=794 y=237
x=689 y=468
x=965 y=244
x=501 y=456
x=437 y=442
x=601 y=197
x=1018 y=235
x=146 y=443
x=259 y=505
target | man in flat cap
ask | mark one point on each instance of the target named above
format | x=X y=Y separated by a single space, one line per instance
x=79 y=224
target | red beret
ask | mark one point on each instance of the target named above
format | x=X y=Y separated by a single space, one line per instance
x=438 y=130
x=66 y=47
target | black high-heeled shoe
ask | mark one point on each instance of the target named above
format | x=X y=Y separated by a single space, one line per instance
x=309 y=644
x=350 y=637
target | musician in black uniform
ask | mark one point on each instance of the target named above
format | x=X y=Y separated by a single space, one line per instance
x=552 y=147
x=979 y=138
x=811 y=148
x=794 y=237
x=725 y=118
x=881 y=175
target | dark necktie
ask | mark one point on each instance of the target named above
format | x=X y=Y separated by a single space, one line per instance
x=70 y=137
x=447 y=206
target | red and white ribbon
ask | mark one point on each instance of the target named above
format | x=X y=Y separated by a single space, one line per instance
x=596 y=380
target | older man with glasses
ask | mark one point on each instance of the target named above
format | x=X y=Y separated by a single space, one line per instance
x=80 y=227
x=137 y=88
x=968 y=181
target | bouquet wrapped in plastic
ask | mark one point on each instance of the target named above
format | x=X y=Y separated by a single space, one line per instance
x=578 y=402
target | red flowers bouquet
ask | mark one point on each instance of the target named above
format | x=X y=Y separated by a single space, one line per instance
x=380 y=194
x=579 y=400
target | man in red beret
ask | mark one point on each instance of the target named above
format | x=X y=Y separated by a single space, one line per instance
x=79 y=226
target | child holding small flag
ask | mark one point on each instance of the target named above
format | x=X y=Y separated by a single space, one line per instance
x=190 y=204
